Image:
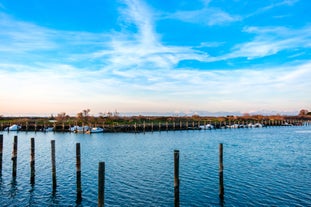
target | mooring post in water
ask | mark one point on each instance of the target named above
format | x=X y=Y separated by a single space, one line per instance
x=1 y=151
x=101 y=184
x=53 y=163
x=78 y=170
x=221 y=173
x=176 y=178
x=14 y=157
x=32 y=161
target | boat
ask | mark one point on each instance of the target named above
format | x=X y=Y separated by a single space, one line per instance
x=96 y=130
x=207 y=126
x=78 y=129
x=48 y=129
x=14 y=127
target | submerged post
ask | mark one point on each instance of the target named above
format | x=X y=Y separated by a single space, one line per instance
x=176 y=178
x=53 y=163
x=14 y=157
x=221 y=173
x=101 y=184
x=78 y=171
x=32 y=161
x=1 y=151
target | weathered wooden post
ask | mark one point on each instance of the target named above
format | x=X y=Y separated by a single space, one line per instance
x=176 y=178
x=14 y=157
x=1 y=151
x=32 y=161
x=101 y=184
x=221 y=173
x=53 y=164
x=78 y=172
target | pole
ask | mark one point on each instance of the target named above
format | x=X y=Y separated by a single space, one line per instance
x=1 y=151
x=101 y=184
x=53 y=163
x=221 y=173
x=32 y=161
x=14 y=157
x=78 y=171
x=176 y=178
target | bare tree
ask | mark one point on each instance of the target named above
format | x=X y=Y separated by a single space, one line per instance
x=84 y=115
x=62 y=116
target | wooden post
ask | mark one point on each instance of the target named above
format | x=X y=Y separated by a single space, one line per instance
x=101 y=184
x=1 y=151
x=14 y=157
x=53 y=163
x=32 y=161
x=176 y=178
x=78 y=172
x=221 y=173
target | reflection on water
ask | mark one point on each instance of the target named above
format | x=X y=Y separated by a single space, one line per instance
x=262 y=167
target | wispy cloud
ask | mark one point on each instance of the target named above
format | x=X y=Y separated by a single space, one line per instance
x=272 y=6
x=206 y=16
x=270 y=41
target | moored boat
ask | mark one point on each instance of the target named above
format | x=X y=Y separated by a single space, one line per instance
x=14 y=127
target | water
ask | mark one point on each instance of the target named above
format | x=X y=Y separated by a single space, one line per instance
x=262 y=167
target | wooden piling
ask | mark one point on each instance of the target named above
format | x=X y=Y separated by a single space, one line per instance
x=32 y=161
x=78 y=172
x=14 y=157
x=101 y=184
x=176 y=178
x=1 y=151
x=221 y=173
x=53 y=164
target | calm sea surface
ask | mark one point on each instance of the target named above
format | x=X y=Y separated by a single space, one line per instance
x=262 y=167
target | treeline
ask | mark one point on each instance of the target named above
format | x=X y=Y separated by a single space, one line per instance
x=84 y=118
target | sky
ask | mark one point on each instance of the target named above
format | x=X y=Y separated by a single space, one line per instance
x=155 y=57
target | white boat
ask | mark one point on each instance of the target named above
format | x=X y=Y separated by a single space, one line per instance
x=14 y=127
x=207 y=126
x=79 y=129
x=48 y=129
x=258 y=125
x=96 y=130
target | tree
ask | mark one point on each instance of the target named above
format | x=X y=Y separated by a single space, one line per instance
x=84 y=115
x=61 y=117
x=303 y=112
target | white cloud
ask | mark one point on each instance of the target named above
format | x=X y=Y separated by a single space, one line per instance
x=207 y=16
x=270 y=41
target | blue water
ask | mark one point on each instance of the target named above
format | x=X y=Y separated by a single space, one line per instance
x=262 y=167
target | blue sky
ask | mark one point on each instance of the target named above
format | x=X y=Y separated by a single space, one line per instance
x=154 y=56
